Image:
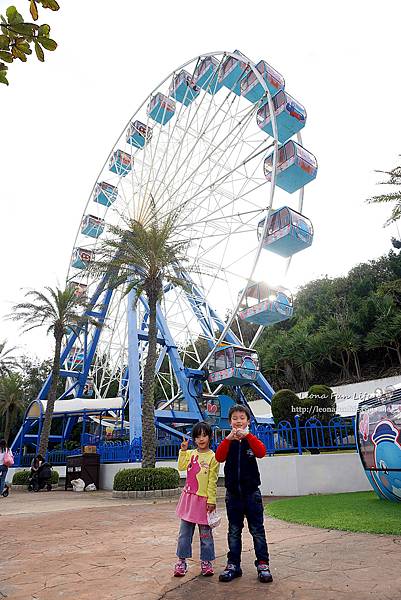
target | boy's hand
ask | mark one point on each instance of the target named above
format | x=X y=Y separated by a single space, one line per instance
x=232 y=435
x=241 y=433
x=184 y=444
x=210 y=507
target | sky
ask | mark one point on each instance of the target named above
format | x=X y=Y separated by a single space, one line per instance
x=59 y=120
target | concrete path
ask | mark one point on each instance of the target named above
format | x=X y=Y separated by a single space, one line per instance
x=63 y=545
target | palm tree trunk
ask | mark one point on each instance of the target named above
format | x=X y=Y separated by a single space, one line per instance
x=7 y=426
x=51 y=398
x=148 y=406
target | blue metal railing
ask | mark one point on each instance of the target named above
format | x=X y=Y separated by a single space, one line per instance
x=312 y=435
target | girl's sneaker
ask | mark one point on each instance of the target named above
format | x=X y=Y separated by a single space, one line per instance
x=180 y=568
x=206 y=568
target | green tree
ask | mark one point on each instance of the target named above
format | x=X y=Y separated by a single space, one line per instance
x=387 y=331
x=394 y=179
x=285 y=405
x=12 y=401
x=8 y=362
x=17 y=36
x=143 y=256
x=56 y=310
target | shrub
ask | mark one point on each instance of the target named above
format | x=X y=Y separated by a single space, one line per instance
x=22 y=477
x=161 y=478
x=284 y=406
x=323 y=398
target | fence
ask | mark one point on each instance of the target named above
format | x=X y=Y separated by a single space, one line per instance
x=313 y=435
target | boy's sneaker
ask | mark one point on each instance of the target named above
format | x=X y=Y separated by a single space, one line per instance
x=206 y=568
x=230 y=572
x=180 y=568
x=264 y=574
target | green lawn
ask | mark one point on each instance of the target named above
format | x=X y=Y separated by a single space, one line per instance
x=357 y=511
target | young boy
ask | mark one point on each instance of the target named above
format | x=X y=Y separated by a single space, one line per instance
x=243 y=498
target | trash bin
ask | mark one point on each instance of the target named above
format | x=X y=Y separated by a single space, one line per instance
x=83 y=466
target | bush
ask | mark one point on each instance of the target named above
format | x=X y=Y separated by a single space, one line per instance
x=162 y=478
x=22 y=477
x=322 y=397
x=284 y=406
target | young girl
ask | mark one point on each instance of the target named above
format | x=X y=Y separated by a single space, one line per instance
x=197 y=499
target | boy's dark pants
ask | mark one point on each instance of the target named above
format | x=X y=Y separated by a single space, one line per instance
x=249 y=506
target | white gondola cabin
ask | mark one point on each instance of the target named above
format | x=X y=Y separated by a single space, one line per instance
x=138 y=134
x=105 y=193
x=121 y=163
x=253 y=90
x=232 y=70
x=265 y=305
x=161 y=108
x=183 y=88
x=206 y=75
x=290 y=116
x=295 y=167
x=287 y=232
x=92 y=226
x=81 y=257
x=233 y=365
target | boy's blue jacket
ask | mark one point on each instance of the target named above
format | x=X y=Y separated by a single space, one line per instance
x=241 y=469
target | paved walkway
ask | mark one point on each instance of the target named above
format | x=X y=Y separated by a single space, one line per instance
x=63 y=545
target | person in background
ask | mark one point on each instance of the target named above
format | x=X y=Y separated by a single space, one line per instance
x=5 y=462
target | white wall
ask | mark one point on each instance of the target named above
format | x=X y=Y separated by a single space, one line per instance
x=293 y=475
x=299 y=475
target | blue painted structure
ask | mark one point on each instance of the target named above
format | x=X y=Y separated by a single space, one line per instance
x=161 y=108
x=290 y=116
x=183 y=88
x=92 y=226
x=105 y=193
x=207 y=73
x=265 y=305
x=81 y=257
x=287 y=232
x=378 y=435
x=121 y=163
x=253 y=90
x=232 y=70
x=138 y=134
x=296 y=167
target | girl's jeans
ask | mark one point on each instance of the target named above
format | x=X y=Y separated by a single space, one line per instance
x=3 y=473
x=184 y=546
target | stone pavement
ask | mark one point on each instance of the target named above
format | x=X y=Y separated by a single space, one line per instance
x=92 y=547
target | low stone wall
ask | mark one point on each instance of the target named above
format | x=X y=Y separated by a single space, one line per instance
x=172 y=493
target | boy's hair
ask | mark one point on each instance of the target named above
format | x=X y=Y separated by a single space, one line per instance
x=201 y=427
x=239 y=408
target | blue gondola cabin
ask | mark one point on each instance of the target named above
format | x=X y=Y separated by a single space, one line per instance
x=295 y=167
x=206 y=75
x=290 y=116
x=121 y=163
x=161 y=108
x=75 y=359
x=232 y=70
x=287 y=232
x=233 y=365
x=253 y=90
x=81 y=257
x=92 y=226
x=138 y=134
x=105 y=193
x=265 y=305
x=183 y=88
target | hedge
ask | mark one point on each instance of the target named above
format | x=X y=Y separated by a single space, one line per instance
x=22 y=477
x=160 y=478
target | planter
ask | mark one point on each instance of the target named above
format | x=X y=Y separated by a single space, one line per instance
x=14 y=487
x=147 y=494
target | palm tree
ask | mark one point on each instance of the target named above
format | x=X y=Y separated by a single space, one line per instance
x=8 y=362
x=394 y=178
x=55 y=310
x=12 y=401
x=143 y=256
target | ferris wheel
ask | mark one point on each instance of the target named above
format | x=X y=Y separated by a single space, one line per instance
x=213 y=142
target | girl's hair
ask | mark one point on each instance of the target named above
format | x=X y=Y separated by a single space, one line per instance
x=39 y=457
x=3 y=445
x=201 y=427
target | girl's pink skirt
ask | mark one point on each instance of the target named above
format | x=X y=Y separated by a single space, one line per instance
x=192 y=508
